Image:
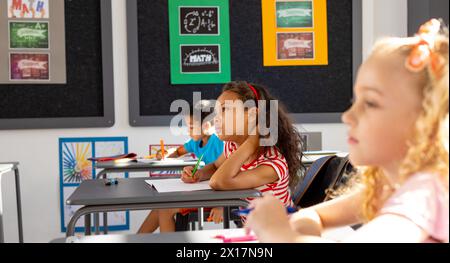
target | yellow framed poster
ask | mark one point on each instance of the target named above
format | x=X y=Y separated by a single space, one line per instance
x=295 y=32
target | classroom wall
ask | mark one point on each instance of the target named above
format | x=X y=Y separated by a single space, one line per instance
x=383 y=18
x=37 y=150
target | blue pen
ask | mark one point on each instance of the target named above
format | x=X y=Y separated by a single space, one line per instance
x=245 y=212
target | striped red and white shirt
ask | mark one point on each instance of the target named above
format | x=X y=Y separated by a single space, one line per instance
x=273 y=158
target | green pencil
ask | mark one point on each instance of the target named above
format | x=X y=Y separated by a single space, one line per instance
x=197 y=165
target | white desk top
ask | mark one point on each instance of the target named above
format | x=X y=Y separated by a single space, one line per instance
x=4 y=168
x=207 y=236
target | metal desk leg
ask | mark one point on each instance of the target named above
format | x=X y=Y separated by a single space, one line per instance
x=19 y=205
x=102 y=174
x=226 y=217
x=87 y=225
x=200 y=214
x=97 y=223
x=105 y=223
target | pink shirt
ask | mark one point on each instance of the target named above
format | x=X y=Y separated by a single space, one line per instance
x=424 y=200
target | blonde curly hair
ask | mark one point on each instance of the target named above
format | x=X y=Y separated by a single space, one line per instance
x=428 y=149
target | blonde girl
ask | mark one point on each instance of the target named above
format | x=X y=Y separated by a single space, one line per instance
x=398 y=136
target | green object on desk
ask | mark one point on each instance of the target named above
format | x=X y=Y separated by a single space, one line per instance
x=197 y=165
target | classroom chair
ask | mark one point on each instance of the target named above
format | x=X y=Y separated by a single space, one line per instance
x=321 y=180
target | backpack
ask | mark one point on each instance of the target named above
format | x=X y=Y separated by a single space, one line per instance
x=321 y=180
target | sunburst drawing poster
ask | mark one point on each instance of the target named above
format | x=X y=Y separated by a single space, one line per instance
x=199 y=41
x=74 y=168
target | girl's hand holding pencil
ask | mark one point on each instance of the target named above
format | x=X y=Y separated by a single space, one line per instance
x=189 y=178
x=192 y=174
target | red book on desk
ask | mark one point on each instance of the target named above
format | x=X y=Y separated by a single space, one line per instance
x=114 y=158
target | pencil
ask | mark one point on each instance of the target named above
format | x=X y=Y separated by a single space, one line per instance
x=162 y=148
x=197 y=165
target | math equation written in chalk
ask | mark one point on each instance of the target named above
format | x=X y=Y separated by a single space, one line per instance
x=199 y=20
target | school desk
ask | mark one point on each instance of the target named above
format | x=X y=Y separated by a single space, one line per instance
x=132 y=167
x=6 y=168
x=206 y=236
x=135 y=194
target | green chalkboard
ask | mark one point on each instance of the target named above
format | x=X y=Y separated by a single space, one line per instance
x=294 y=14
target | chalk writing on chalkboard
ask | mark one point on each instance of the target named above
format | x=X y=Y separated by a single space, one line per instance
x=28 y=35
x=200 y=59
x=297 y=14
x=199 y=20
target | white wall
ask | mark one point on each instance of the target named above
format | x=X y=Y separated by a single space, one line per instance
x=383 y=18
x=37 y=150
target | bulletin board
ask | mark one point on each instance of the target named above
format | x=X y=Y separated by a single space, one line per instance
x=312 y=94
x=84 y=97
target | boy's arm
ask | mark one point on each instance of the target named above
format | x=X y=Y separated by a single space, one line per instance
x=179 y=152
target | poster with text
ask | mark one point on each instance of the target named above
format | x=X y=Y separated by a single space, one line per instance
x=295 y=32
x=295 y=46
x=199 y=41
x=200 y=58
x=294 y=14
x=34 y=9
x=28 y=35
x=29 y=67
x=33 y=42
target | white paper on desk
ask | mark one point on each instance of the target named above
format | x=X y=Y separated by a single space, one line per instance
x=188 y=159
x=167 y=161
x=147 y=160
x=176 y=185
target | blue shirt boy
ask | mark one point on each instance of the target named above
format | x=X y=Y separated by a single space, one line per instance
x=212 y=150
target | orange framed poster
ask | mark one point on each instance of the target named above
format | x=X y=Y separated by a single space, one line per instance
x=295 y=32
